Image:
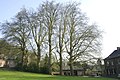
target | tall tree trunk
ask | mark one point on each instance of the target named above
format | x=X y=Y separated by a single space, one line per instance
x=60 y=47
x=39 y=55
x=71 y=66
x=38 y=61
x=23 y=54
x=50 y=54
x=71 y=51
x=61 y=68
x=22 y=60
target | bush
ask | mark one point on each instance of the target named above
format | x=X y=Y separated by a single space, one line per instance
x=32 y=67
x=44 y=70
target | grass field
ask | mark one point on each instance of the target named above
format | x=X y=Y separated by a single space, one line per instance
x=14 y=75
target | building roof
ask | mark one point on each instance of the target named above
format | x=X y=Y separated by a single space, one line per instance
x=114 y=54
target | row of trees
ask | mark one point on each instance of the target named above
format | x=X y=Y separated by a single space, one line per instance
x=53 y=29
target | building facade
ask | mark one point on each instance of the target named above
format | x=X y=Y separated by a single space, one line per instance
x=77 y=71
x=112 y=64
x=2 y=63
x=7 y=63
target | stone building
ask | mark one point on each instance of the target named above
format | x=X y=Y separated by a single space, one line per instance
x=112 y=64
x=77 y=71
x=9 y=63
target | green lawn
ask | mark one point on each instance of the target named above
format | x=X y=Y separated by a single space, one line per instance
x=14 y=75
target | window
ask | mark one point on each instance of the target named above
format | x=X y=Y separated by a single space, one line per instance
x=112 y=63
x=108 y=62
x=114 y=71
x=108 y=71
x=118 y=61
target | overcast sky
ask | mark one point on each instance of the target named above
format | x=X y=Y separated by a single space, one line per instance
x=106 y=13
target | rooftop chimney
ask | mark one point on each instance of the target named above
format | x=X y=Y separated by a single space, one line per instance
x=118 y=48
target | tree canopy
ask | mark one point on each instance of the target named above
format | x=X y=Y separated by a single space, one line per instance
x=54 y=29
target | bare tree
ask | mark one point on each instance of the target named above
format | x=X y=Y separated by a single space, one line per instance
x=82 y=39
x=62 y=25
x=38 y=31
x=17 y=32
x=75 y=37
x=50 y=10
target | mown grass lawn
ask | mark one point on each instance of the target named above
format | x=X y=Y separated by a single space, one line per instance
x=14 y=75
